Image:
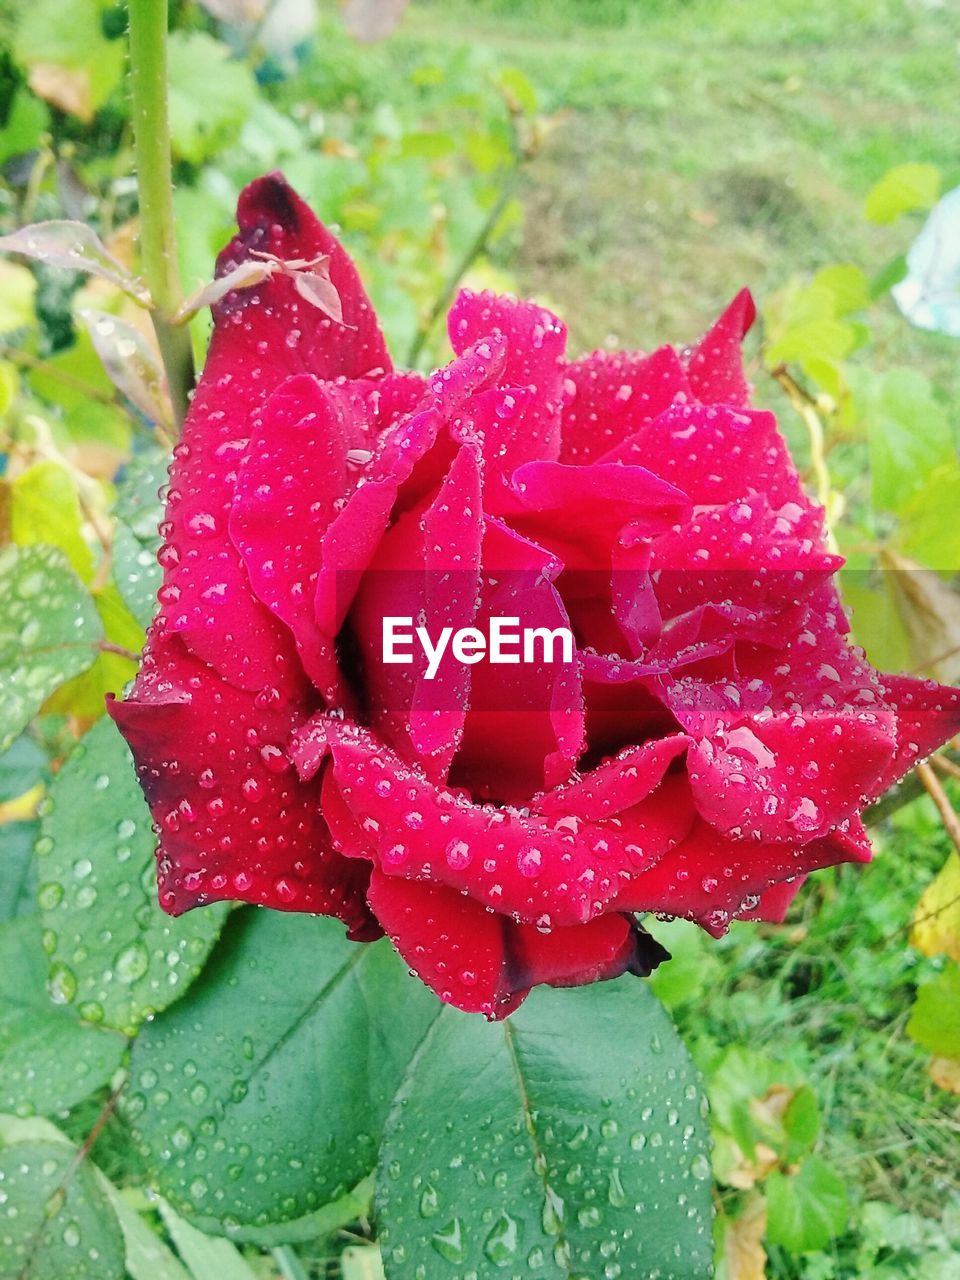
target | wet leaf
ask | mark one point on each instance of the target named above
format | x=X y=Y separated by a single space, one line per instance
x=17 y=877
x=136 y=540
x=49 y=632
x=21 y=768
x=63 y=1227
x=288 y=1049
x=579 y=1143
x=131 y=364
x=76 y=247
x=49 y=1059
x=98 y=893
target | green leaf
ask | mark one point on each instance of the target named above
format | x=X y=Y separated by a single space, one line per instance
x=63 y=1227
x=45 y=508
x=935 y=1020
x=17 y=289
x=48 y=1059
x=909 y=434
x=259 y=1096
x=518 y=87
x=147 y=1257
x=576 y=1139
x=801 y=1122
x=805 y=1210
x=203 y=1255
x=692 y=966
x=339 y=1213
x=98 y=892
x=26 y=122
x=210 y=94
x=848 y=285
x=21 y=768
x=905 y=187
x=929 y=530
x=70 y=62
x=136 y=541
x=17 y=872
x=49 y=632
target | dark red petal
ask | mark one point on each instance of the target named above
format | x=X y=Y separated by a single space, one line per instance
x=234 y=821
x=525 y=728
x=616 y=784
x=717 y=454
x=535 y=341
x=427 y=569
x=295 y=470
x=787 y=778
x=604 y=948
x=928 y=715
x=450 y=942
x=610 y=395
x=711 y=879
x=512 y=863
x=261 y=336
x=715 y=364
x=585 y=509
x=270 y=332
x=774 y=902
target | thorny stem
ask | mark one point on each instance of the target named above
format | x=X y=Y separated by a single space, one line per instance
x=151 y=142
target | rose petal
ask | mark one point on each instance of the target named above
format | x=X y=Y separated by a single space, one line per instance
x=928 y=715
x=525 y=725
x=234 y=821
x=715 y=363
x=610 y=395
x=261 y=336
x=710 y=879
x=514 y=864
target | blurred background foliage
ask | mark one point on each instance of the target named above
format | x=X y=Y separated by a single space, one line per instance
x=631 y=164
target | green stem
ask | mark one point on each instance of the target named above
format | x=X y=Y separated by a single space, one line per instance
x=151 y=143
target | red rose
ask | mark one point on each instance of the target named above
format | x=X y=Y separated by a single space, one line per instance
x=713 y=739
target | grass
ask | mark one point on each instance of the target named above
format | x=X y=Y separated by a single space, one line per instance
x=705 y=145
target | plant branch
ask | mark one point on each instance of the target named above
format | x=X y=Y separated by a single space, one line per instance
x=151 y=142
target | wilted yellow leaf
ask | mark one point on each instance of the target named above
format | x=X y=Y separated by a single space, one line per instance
x=68 y=88
x=945 y=1072
x=742 y=1248
x=930 y=611
x=936 y=921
